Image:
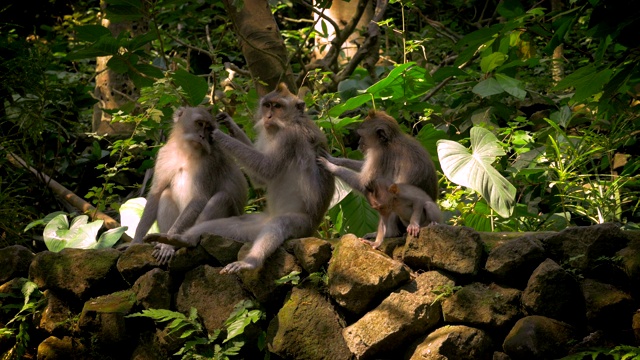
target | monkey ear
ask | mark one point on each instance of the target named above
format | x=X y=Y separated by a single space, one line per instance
x=283 y=89
x=394 y=189
x=300 y=105
x=383 y=134
x=176 y=114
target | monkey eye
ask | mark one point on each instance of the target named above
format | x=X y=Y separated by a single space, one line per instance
x=277 y=105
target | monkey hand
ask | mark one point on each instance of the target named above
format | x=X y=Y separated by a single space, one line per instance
x=163 y=253
x=374 y=244
x=322 y=161
x=224 y=119
x=237 y=266
x=413 y=230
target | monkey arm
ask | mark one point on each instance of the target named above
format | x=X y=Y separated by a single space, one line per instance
x=188 y=216
x=234 y=130
x=351 y=177
x=355 y=165
x=149 y=215
x=259 y=164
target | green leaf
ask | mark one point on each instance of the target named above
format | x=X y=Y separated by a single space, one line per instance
x=359 y=218
x=56 y=232
x=353 y=103
x=123 y=10
x=44 y=221
x=444 y=72
x=474 y=170
x=105 y=46
x=429 y=136
x=512 y=86
x=195 y=87
x=91 y=33
x=110 y=237
x=492 y=61
x=577 y=78
x=118 y=64
x=131 y=213
x=141 y=40
x=487 y=87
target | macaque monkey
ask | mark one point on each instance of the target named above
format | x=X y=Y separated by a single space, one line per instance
x=413 y=207
x=388 y=154
x=283 y=161
x=193 y=181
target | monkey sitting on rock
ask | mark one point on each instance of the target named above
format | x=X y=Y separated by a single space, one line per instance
x=283 y=161
x=389 y=154
x=414 y=208
x=193 y=181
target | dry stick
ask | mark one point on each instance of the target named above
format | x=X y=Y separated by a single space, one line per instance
x=68 y=196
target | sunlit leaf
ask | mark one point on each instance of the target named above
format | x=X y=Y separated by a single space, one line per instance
x=474 y=169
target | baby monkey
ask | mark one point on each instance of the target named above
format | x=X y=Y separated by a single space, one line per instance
x=411 y=204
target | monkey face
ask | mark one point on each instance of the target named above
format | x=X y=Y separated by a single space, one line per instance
x=196 y=125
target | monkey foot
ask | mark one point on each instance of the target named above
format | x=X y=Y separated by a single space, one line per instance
x=373 y=244
x=173 y=240
x=163 y=253
x=237 y=266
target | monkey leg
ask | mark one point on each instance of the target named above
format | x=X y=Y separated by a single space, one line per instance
x=271 y=236
x=221 y=205
x=392 y=228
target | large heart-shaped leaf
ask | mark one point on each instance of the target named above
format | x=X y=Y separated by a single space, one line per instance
x=474 y=170
x=131 y=213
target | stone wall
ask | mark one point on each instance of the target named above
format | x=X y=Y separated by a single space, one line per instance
x=450 y=293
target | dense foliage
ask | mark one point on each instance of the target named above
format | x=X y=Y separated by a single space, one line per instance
x=552 y=138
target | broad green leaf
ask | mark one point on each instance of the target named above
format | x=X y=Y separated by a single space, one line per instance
x=359 y=218
x=195 y=87
x=131 y=213
x=487 y=87
x=593 y=86
x=429 y=136
x=118 y=64
x=393 y=76
x=576 y=78
x=492 y=61
x=105 y=46
x=45 y=220
x=512 y=86
x=474 y=170
x=91 y=33
x=353 y=103
x=141 y=40
x=109 y=238
x=56 y=232
x=124 y=10
x=561 y=117
x=444 y=72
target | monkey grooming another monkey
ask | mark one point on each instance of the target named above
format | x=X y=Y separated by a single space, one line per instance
x=193 y=181
x=388 y=154
x=413 y=207
x=283 y=161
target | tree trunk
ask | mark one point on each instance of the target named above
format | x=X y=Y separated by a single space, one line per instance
x=341 y=12
x=262 y=45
